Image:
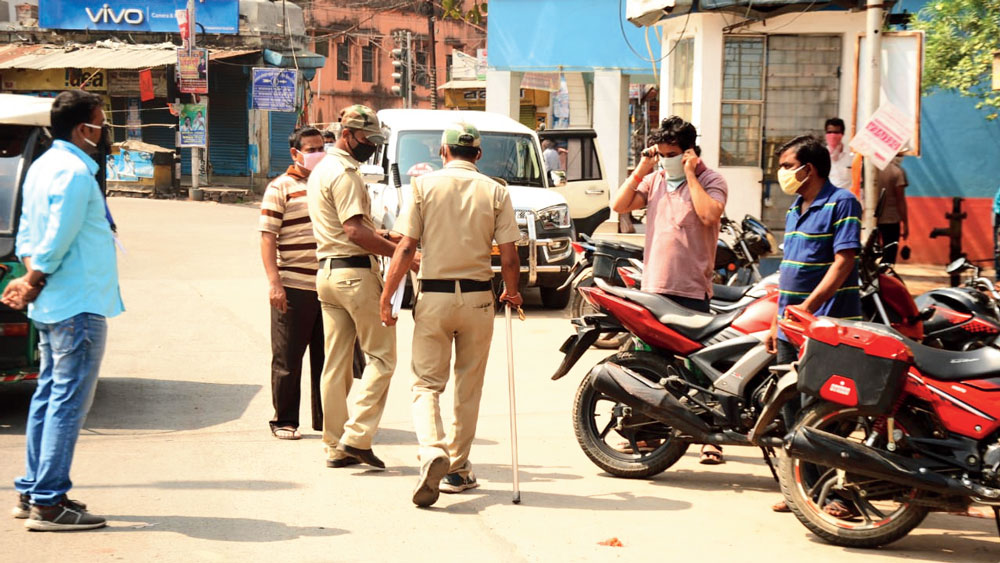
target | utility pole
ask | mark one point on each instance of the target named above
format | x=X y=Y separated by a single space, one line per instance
x=195 y=151
x=431 y=56
x=873 y=34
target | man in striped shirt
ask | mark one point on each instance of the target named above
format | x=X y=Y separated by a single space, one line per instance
x=819 y=271
x=288 y=250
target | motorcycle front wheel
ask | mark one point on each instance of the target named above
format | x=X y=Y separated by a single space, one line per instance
x=623 y=443
x=578 y=307
x=877 y=512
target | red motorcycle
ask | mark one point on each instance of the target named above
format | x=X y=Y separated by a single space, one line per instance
x=895 y=429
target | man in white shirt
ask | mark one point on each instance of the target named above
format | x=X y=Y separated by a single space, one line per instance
x=840 y=155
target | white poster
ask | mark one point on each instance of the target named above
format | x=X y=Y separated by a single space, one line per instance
x=901 y=70
x=883 y=135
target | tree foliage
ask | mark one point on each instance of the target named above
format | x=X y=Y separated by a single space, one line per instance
x=455 y=9
x=961 y=38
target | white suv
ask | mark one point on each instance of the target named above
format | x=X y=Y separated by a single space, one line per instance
x=511 y=152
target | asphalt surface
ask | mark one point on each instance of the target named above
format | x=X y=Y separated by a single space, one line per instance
x=177 y=454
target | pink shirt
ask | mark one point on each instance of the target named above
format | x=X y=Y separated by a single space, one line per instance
x=680 y=250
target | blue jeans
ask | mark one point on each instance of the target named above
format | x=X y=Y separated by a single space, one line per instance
x=71 y=353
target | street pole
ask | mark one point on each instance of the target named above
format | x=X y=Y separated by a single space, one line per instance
x=873 y=35
x=195 y=151
x=432 y=57
x=409 y=69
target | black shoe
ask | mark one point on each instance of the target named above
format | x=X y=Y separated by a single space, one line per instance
x=342 y=462
x=366 y=456
x=429 y=487
x=65 y=516
x=22 y=509
x=455 y=483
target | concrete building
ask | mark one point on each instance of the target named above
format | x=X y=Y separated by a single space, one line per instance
x=358 y=36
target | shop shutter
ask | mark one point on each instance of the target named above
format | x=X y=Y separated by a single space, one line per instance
x=228 y=121
x=163 y=136
x=527 y=117
x=282 y=124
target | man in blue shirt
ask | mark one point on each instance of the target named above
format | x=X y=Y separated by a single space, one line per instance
x=819 y=270
x=66 y=242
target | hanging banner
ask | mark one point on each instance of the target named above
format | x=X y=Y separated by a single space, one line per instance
x=884 y=135
x=129 y=166
x=274 y=89
x=146 y=90
x=134 y=122
x=216 y=16
x=192 y=125
x=192 y=71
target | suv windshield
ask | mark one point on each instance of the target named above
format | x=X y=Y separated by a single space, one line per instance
x=510 y=156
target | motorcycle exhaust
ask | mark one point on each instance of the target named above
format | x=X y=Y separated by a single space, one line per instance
x=650 y=399
x=830 y=450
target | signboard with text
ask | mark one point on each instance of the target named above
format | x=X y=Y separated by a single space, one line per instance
x=884 y=135
x=192 y=71
x=216 y=16
x=274 y=89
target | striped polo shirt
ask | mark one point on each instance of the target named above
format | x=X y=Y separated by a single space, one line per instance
x=831 y=223
x=284 y=211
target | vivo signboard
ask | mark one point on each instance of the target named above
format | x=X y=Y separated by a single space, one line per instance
x=215 y=16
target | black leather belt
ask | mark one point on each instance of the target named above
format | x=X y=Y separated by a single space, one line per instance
x=350 y=262
x=448 y=286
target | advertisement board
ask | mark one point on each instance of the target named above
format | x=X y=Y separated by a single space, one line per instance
x=216 y=16
x=193 y=125
x=274 y=89
x=192 y=71
x=129 y=166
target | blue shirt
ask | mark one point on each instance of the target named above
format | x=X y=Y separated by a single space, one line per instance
x=66 y=232
x=832 y=223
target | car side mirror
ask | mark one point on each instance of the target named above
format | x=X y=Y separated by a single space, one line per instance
x=557 y=177
x=372 y=173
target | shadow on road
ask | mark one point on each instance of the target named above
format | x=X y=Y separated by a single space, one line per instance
x=245 y=530
x=396 y=437
x=126 y=403
x=240 y=485
x=491 y=495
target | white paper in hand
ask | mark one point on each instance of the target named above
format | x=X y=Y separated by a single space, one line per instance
x=397 y=298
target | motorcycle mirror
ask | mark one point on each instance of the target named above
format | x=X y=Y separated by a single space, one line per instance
x=957 y=266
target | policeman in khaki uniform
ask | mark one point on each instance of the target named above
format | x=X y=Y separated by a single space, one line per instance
x=349 y=285
x=455 y=214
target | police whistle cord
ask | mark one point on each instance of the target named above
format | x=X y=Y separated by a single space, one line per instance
x=513 y=401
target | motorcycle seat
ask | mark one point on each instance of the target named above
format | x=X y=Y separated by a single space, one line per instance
x=692 y=324
x=729 y=293
x=946 y=365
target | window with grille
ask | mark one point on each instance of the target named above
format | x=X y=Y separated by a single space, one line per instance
x=343 y=61
x=682 y=78
x=322 y=47
x=421 y=74
x=368 y=63
x=742 y=101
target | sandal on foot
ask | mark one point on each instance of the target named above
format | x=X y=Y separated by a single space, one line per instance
x=780 y=506
x=286 y=433
x=838 y=509
x=710 y=455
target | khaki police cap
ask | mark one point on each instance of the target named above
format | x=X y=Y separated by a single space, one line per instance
x=460 y=134
x=364 y=119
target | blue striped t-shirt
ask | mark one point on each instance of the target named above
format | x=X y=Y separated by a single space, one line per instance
x=832 y=223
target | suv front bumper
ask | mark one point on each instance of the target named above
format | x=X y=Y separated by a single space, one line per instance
x=552 y=256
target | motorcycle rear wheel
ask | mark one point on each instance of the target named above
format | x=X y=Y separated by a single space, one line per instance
x=578 y=307
x=802 y=481
x=593 y=436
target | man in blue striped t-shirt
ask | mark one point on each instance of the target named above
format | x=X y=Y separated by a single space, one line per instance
x=822 y=239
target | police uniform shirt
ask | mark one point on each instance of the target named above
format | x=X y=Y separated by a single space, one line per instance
x=456 y=213
x=336 y=193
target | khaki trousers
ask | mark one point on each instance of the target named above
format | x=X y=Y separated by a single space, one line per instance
x=441 y=319
x=350 y=303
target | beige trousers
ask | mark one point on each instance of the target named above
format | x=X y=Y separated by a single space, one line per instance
x=350 y=302
x=442 y=319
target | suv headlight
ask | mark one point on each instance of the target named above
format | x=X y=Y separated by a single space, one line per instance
x=555 y=217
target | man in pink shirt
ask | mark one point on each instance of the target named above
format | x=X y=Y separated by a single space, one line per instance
x=685 y=202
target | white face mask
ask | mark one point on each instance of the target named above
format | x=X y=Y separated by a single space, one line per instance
x=673 y=166
x=786 y=179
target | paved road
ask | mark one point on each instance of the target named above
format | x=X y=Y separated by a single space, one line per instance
x=177 y=454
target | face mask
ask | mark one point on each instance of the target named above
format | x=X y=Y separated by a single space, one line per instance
x=310 y=159
x=327 y=147
x=786 y=179
x=833 y=140
x=362 y=151
x=92 y=126
x=673 y=165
